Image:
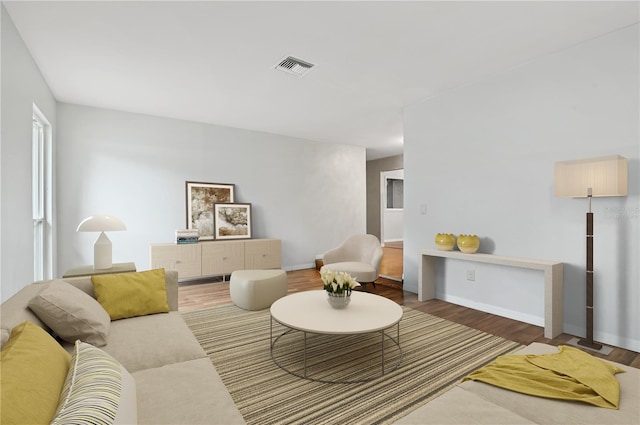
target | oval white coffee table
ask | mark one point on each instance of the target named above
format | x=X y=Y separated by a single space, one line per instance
x=309 y=312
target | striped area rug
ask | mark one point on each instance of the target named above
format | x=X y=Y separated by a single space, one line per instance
x=436 y=354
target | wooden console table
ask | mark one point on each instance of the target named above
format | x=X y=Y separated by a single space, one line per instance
x=553 y=281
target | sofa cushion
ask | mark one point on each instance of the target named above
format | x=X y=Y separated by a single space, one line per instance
x=16 y=309
x=570 y=374
x=474 y=402
x=83 y=283
x=97 y=390
x=34 y=367
x=458 y=406
x=126 y=295
x=71 y=313
x=150 y=341
x=542 y=410
x=194 y=391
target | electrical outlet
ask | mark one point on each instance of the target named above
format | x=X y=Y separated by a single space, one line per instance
x=423 y=209
x=471 y=275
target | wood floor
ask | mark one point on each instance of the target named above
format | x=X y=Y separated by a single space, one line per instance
x=203 y=294
x=392 y=261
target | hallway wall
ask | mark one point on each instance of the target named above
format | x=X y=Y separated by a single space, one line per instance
x=373 y=189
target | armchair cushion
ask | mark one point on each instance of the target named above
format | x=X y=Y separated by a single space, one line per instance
x=362 y=272
x=359 y=255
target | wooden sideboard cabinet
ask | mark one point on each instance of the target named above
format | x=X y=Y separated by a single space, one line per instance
x=216 y=258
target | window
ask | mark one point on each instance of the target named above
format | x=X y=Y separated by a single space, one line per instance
x=395 y=197
x=41 y=196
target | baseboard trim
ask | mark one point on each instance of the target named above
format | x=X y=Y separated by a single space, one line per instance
x=498 y=311
x=299 y=267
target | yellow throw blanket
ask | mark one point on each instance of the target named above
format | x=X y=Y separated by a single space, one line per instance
x=570 y=374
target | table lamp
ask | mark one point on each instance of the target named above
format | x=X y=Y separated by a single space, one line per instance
x=588 y=178
x=102 y=248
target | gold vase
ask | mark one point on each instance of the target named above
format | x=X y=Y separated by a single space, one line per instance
x=468 y=244
x=445 y=241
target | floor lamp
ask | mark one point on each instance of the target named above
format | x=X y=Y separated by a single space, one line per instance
x=593 y=177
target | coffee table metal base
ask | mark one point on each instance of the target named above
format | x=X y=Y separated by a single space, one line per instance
x=304 y=374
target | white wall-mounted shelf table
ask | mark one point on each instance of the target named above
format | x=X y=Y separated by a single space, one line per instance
x=553 y=281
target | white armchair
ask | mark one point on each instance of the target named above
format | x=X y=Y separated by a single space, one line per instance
x=359 y=255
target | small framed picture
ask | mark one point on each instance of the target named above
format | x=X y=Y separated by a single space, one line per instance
x=232 y=221
x=201 y=197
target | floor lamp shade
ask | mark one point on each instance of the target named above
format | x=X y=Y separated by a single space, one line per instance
x=606 y=176
x=595 y=177
x=102 y=248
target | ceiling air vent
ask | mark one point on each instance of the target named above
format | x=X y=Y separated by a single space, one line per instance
x=294 y=66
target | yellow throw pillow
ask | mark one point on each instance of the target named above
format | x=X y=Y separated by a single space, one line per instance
x=125 y=295
x=34 y=368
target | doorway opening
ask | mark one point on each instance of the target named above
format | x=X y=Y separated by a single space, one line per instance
x=392 y=223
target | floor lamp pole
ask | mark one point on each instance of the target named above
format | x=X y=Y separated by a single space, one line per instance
x=588 y=341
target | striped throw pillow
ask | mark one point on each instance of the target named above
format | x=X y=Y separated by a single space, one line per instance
x=97 y=390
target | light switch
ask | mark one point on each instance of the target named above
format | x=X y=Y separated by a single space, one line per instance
x=423 y=209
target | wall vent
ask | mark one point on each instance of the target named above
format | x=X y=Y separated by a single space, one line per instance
x=294 y=66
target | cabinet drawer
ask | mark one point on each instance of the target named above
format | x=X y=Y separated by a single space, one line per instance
x=185 y=259
x=220 y=258
x=262 y=254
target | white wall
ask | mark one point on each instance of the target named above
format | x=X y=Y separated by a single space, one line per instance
x=481 y=158
x=308 y=194
x=22 y=86
x=393 y=225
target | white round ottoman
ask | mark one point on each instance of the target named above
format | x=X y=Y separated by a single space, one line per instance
x=257 y=289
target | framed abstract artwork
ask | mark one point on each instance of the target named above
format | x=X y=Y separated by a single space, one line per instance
x=201 y=197
x=232 y=221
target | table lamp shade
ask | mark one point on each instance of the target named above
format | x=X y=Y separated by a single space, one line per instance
x=605 y=176
x=102 y=248
x=101 y=223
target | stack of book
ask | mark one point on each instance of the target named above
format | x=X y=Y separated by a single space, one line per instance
x=187 y=236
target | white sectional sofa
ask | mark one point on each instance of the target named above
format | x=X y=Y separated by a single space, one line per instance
x=473 y=402
x=175 y=382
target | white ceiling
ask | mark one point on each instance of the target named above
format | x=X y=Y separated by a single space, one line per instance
x=213 y=62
